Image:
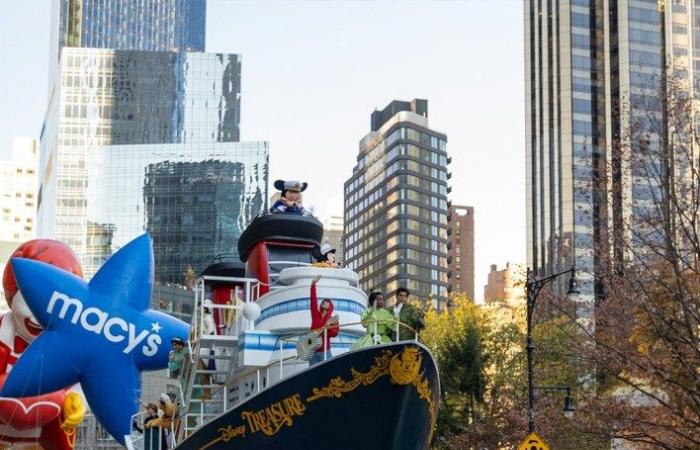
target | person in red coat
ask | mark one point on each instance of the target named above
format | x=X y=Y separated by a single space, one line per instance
x=322 y=318
x=47 y=420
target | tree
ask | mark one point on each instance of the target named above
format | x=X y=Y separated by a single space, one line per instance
x=456 y=343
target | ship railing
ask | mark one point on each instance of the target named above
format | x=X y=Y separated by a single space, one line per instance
x=287 y=345
x=274 y=275
x=137 y=434
x=231 y=321
x=396 y=327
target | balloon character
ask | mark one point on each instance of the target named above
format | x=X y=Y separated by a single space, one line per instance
x=101 y=334
x=48 y=420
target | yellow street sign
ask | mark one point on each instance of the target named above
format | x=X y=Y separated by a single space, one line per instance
x=533 y=442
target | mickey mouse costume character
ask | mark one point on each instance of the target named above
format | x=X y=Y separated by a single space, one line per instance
x=290 y=198
x=325 y=256
x=47 y=420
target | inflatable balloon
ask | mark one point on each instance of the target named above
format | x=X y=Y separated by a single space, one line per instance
x=101 y=334
x=43 y=419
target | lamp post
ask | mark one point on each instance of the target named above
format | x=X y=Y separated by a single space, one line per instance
x=533 y=286
x=569 y=408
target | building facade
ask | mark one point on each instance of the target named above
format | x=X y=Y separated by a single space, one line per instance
x=506 y=286
x=18 y=191
x=595 y=71
x=109 y=97
x=460 y=259
x=396 y=204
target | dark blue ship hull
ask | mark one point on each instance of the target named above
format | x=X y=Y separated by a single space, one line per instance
x=378 y=398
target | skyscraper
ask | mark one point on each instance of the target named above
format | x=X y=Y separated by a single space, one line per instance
x=460 y=220
x=155 y=25
x=590 y=69
x=396 y=204
x=109 y=97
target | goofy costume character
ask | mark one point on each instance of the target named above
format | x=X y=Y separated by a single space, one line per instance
x=47 y=420
x=322 y=318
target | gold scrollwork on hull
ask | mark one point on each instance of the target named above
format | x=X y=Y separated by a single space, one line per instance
x=403 y=369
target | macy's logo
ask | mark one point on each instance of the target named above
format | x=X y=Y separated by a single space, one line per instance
x=114 y=329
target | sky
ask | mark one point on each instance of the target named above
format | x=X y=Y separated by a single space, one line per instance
x=313 y=72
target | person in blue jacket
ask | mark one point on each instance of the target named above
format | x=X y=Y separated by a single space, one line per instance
x=290 y=198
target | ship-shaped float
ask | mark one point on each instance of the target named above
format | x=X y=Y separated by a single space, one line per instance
x=245 y=386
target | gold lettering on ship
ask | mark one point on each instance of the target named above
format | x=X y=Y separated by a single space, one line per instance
x=270 y=420
x=226 y=434
x=230 y=432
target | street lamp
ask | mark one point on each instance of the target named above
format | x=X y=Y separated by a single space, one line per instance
x=569 y=408
x=533 y=286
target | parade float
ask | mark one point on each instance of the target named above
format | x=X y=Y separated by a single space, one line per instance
x=246 y=383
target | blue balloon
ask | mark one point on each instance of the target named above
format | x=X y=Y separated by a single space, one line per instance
x=100 y=334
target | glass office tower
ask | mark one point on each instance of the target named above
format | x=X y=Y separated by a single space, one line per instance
x=111 y=97
x=193 y=199
x=155 y=25
x=593 y=71
x=396 y=204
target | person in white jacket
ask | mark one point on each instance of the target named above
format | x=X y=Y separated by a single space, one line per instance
x=208 y=328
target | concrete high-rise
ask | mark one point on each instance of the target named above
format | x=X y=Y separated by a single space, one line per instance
x=333 y=234
x=590 y=67
x=506 y=286
x=396 y=204
x=460 y=261
x=18 y=191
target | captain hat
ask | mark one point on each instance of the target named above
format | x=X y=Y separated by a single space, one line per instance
x=295 y=186
x=327 y=248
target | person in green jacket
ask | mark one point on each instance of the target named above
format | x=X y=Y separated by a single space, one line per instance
x=377 y=321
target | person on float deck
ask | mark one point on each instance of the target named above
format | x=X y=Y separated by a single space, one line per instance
x=321 y=317
x=290 y=197
x=176 y=357
x=377 y=320
x=406 y=314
